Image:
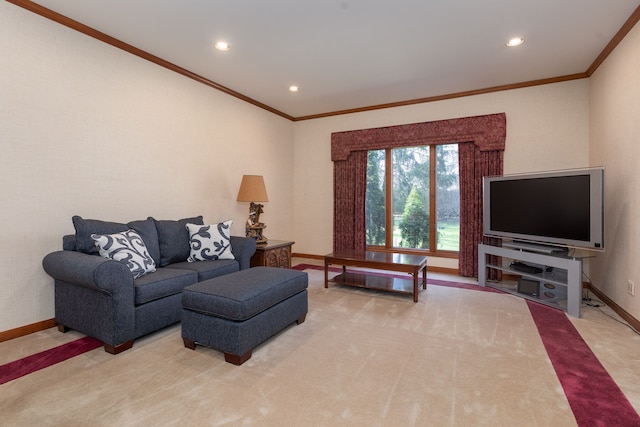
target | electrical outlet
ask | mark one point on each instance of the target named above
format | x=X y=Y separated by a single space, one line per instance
x=631 y=288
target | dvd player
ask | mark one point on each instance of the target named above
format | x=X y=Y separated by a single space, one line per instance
x=525 y=268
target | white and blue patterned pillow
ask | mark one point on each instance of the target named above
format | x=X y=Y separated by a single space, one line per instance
x=210 y=242
x=126 y=247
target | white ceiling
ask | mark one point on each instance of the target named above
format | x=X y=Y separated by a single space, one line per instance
x=349 y=54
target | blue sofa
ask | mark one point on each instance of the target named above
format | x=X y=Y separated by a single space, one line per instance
x=101 y=298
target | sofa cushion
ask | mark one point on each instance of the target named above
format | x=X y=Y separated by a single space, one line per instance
x=164 y=282
x=126 y=247
x=210 y=242
x=86 y=227
x=173 y=239
x=146 y=228
x=209 y=269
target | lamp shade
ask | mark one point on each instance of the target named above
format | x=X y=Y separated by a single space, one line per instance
x=252 y=189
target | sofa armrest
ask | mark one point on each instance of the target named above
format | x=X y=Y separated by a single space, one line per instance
x=243 y=249
x=90 y=271
x=93 y=295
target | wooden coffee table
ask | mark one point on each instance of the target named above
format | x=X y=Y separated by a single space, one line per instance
x=403 y=263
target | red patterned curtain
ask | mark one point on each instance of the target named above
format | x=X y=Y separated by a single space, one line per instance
x=349 y=186
x=485 y=134
x=473 y=165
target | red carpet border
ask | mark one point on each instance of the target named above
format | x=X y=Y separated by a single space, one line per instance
x=595 y=399
x=44 y=359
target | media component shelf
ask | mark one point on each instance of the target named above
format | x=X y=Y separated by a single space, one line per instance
x=559 y=284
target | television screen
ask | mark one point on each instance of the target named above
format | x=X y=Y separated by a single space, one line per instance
x=559 y=208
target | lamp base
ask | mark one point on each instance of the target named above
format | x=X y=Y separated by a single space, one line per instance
x=256 y=232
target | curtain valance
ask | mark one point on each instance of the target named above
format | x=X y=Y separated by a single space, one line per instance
x=487 y=132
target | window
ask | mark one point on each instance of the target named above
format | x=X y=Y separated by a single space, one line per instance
x=413 y=198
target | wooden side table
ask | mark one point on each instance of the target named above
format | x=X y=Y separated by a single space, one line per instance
x=274 y=253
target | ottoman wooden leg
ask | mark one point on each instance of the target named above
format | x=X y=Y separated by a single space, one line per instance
x=117 y=349
x=301 y=319
x=237 y=360
x=189 y=344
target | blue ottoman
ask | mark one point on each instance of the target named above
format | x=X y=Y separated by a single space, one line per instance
x=236 y=312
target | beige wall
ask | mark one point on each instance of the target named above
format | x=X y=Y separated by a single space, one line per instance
x=547 y=129
x=91 y=130
x=615 y=143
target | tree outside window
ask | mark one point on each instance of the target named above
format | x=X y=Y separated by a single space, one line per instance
x=375 y=199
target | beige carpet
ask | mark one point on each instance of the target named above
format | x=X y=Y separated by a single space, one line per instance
x=362 y=358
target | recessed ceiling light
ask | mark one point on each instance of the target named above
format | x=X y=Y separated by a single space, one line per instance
x=294 y=89
x=516 y=41
x=222 y=46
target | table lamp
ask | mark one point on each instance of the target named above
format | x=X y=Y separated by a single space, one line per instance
x=252 y=190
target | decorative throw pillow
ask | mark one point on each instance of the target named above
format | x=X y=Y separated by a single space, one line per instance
x=210 y=242
x=126 y=247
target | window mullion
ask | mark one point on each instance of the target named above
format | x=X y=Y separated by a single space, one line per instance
x=432 y=199
x=388 y=198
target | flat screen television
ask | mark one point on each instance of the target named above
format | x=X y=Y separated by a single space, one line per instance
x=564 y=208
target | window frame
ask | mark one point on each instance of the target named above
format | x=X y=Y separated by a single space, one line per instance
x=388 y=173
